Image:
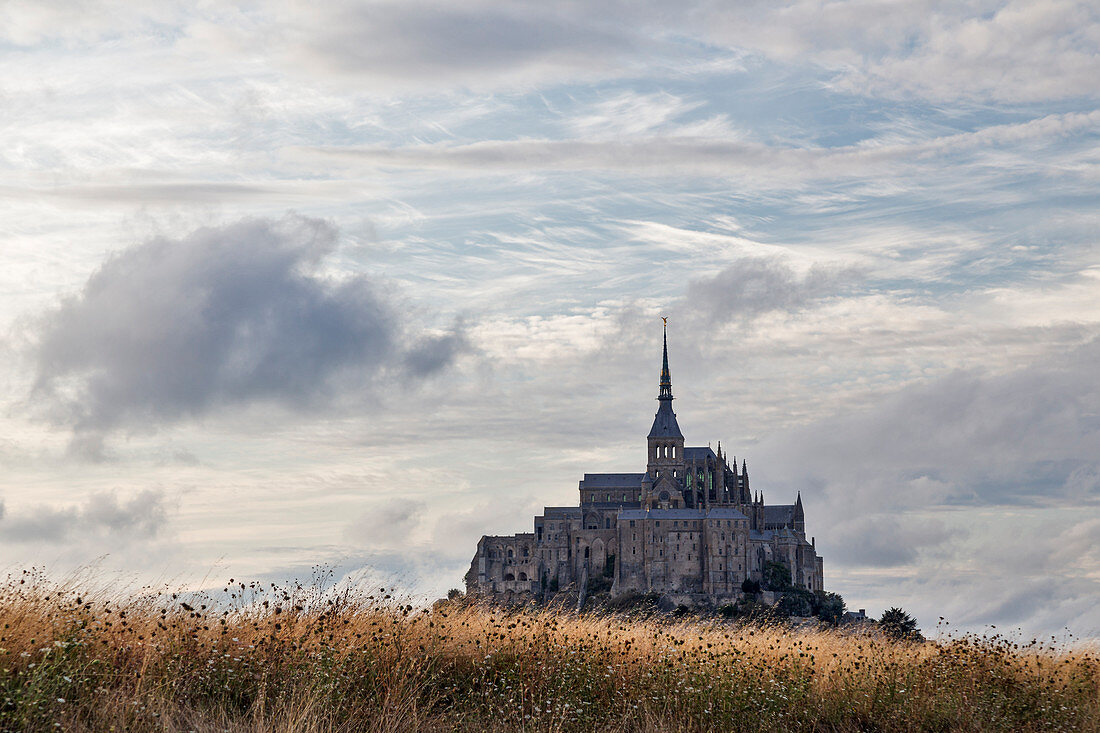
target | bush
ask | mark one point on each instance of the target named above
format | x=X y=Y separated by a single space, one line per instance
x=750 y=586
x=898 y=624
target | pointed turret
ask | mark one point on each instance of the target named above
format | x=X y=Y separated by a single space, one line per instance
x=664 y=422
x=666 y=376
x=666 y=442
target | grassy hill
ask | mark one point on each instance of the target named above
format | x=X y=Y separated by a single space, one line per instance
x=296 y=659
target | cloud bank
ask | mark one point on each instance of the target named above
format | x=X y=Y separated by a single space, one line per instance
x=177 y=328
x=140 y=517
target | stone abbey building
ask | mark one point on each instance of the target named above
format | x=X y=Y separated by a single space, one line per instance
x=688 y=527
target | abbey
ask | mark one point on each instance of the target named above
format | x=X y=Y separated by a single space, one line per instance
x=688 y=527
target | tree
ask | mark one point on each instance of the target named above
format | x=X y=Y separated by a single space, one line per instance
x=454 y=593
x=897 y=624
x=829 y=607
x=796 y=602
x=777 y=576
x=750 y=586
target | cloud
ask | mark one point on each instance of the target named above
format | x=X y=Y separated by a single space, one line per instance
x=1030 y=436
x=881 y=540
x=763 y=165
x=142 y=516
x=1019 y=51
x=387 y=524
x=754 y=285
x=178 y=328
x=470 y=43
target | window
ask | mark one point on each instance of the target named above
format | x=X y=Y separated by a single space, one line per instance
x=631 y=522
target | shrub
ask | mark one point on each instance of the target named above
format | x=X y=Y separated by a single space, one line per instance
x=898 y=624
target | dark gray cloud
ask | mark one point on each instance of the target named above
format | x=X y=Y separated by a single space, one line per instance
x=176 y=328
x=142 y=516
x=755 y=285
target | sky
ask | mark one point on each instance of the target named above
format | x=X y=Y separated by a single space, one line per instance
x=346 y=285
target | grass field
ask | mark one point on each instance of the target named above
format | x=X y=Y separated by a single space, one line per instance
x=77 y=656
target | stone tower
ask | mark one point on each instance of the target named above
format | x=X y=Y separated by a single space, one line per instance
x=665 y=467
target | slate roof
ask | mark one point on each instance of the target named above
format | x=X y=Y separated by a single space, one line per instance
x=664 y=422
x=779 y=514
x=661 y=514
x=554 y=512
x=716 y=513
x=725 y=513
x=698 y=453
x=612 y=480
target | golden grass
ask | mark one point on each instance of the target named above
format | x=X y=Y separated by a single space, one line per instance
x=297 y=659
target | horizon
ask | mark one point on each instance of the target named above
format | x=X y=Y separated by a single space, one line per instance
x=354 y=285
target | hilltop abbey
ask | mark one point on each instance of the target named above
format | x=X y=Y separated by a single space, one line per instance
x=688 y=527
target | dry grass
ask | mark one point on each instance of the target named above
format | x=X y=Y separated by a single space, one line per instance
x=296 y=659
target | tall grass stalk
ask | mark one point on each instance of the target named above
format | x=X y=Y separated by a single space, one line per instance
x=269 y=658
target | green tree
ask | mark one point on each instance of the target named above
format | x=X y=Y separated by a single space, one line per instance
x=897 y=624
x=750 y=586
x=796 y=602
x=454 y=593
x=777 y=576
x=829 y=607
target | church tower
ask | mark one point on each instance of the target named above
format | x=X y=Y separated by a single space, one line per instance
x=666 y=444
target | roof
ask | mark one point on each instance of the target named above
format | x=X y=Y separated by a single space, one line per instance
x=661 y=514
x=725 y=512
x=553 y=512
x=612 y=480
x=664 y=422
x=698 y=453
x=779 y=514
x=716 y=513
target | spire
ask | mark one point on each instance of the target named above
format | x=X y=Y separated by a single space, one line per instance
x=666 y=377
x=664 y=423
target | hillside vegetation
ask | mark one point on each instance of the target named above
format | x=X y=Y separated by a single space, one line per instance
x=77 y=657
